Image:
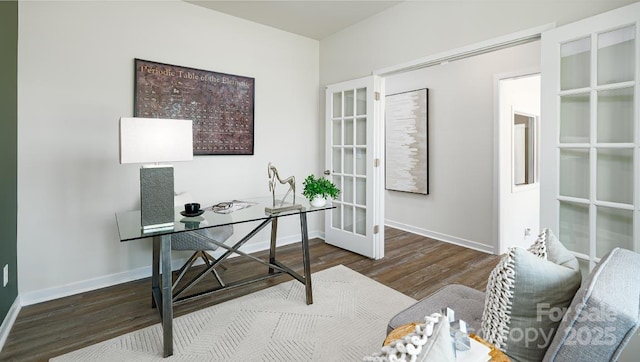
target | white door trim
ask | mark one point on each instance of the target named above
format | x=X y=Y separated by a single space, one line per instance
x=505 y=41
x=498 y=147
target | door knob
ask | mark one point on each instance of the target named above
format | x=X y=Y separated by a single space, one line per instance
x=327 y=172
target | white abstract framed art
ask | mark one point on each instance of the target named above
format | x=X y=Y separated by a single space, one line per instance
x=406 y=142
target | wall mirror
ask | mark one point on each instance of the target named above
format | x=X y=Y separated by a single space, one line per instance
x=524 y=149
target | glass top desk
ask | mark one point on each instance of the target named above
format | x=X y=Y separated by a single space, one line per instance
x=161 y=279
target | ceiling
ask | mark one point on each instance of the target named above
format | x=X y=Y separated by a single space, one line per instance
x=310 y=18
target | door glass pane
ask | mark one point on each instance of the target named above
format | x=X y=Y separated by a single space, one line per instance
x=337 y=132
x=361 y=131
x=348 y=161
x=347 y=221
x=361 y=221
x=615 y=175
x=361 y=191
x=574 y=118
x=361 y=161
x=337 y=180
x=336 y=217
x=348 y=103
x=616 y=55
x=347 y=190
x=575 y=64
x=574 y=226
x=361 y=99
x=337 y=159
x=615 y=115
x=574 y=172
x=337 y=104
x=348 y=131
x=614 y=228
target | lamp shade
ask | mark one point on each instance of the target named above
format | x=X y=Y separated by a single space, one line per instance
x=147 y=140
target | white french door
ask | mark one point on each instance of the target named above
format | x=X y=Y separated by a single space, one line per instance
x=354 y=151
x=590 y=153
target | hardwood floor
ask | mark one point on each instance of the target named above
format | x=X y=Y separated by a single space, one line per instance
x=414 y=265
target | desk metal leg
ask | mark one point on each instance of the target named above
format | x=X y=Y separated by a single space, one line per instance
x=306 y=260
x=167 y=307
x=155 y=270
x=274 y=236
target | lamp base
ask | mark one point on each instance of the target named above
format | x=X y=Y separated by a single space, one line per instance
x=156 y=198
x=156 y=228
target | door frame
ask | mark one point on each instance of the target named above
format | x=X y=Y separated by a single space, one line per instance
x=502 y=42
x=500 y=148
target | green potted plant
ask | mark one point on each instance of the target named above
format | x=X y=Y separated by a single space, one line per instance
x=317 y=190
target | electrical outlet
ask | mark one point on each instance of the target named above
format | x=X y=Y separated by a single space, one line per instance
x=5 y=275
x=527 y=232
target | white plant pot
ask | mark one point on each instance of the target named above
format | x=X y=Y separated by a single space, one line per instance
x=318 y=201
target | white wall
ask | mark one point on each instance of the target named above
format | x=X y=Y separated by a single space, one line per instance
x=461 y=148
x=519 y=206
x=75 y=80
x=416 y=29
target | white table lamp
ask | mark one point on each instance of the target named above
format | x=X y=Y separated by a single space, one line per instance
x=150 y=141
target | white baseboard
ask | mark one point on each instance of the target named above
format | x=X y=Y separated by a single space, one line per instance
x=443 y=237
x=9 y=320
x=44 y=295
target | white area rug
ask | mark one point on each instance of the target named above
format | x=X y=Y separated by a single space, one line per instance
x=347 y=321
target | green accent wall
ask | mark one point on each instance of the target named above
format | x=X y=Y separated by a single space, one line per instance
x=8 y=152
